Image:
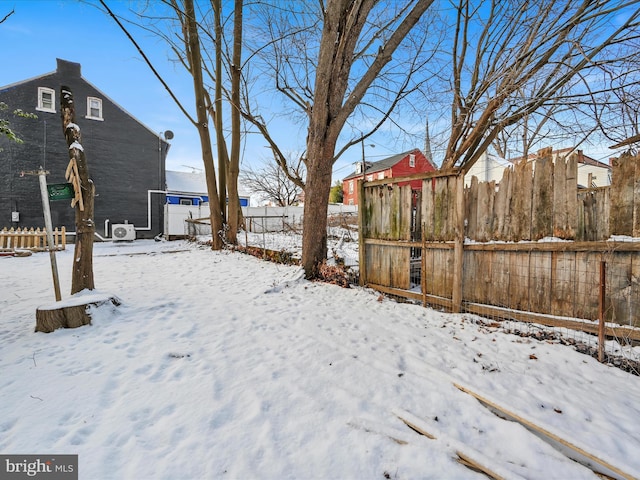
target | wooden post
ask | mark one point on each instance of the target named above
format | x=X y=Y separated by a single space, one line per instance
x=601 y=300
x=361 y=245
x=458 y=250
x=49 y=230
x=423 y=267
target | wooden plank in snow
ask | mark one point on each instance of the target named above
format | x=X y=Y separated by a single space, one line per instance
x=467 y=456
x=566 y=447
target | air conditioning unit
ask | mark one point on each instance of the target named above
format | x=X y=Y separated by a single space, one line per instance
x=123 y=231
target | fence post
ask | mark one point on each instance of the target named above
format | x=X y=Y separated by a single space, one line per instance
x=601 y=300
x=361 y=245
x=458 y=254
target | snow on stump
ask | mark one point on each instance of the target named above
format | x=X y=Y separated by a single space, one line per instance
x=72 y=313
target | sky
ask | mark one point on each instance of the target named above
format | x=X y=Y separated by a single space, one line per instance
x=242 y=369
x=42 y=30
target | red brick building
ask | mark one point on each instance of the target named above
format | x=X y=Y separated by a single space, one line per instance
x=400 y=165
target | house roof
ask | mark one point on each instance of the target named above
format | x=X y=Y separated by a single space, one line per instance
x=73 y=69
x=192 y=183
x=383 y=164
x=186 y=182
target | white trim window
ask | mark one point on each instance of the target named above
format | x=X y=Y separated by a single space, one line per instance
x=412 y=160
x=350 y=186
x=94 y=108
x=380 y=175
x=46 y=100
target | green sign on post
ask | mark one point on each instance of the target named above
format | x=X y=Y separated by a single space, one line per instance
x=60 y=191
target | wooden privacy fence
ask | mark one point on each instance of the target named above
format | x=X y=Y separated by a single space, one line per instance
x=481 y=249
x=31 y=239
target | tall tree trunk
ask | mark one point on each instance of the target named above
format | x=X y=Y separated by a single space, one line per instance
x=82 y=275
x=343 y=23
x=195 y=60
x=220 y=141
x=316 y=205
x=234 y=212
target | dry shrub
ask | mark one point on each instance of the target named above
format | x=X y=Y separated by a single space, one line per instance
x=276 y=256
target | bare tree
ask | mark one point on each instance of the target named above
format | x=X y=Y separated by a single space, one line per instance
x=334 y=102
x=201 y=53
x=235 y=211
x=193 y=60
x=516 y=45
x=272 y=183
x=328 y=63
x=616 y=105
x=3 y=19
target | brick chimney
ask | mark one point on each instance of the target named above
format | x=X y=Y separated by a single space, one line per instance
x=68 y=69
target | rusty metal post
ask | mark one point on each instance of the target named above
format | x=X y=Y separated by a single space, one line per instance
x=601 y=300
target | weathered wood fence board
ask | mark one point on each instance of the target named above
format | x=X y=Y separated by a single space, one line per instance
x=623 y=202
x=592 y=214
x=519 y=288
x=534 y=200
x=438 y=208
x=528 y=204
x=386 y=265
x=388 y=212
x=587 y=290
x=565 y=198
x=542 y=206
x=523 y=194
x=564 y=283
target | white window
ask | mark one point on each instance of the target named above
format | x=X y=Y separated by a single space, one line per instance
x=46 y=100
x=380 y=175
x=94 y=108
x=351 y=201
x=186 y=201
x=412 y=160
x=350 y=186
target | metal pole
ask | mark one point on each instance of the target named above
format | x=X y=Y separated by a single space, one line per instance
x=601 y=302
x=47 y=223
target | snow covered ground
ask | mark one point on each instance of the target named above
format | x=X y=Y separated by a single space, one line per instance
x=218 y=365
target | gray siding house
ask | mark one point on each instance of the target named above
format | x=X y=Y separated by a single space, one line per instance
x=126 y=159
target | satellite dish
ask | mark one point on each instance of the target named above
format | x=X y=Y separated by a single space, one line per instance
x=168 y=134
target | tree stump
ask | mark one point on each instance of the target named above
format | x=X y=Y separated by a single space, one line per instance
x=69 y=314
